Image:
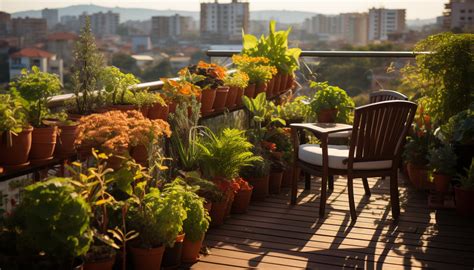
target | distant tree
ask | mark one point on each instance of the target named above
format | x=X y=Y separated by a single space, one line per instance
x=161 y=70
x=126 y=63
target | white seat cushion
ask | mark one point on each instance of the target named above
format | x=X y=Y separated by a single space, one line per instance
x=313 y=154
x=342 y=134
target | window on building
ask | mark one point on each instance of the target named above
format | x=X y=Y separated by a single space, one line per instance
x=462 y=11
x=36 y=62
x=462 y=18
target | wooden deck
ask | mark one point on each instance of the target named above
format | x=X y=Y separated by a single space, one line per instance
x=274 y=235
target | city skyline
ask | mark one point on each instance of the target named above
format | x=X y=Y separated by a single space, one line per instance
x=418 y=9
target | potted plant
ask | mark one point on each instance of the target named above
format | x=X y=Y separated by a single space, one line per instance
x=242 y=197
x=442 y=161
x=66 y=135
x=294 y=111
x=464 y=192
x=151 y=105
x=280 y=140
x=15 y=133
x=51 y=224
x=331 y=103
x=258 y=175
x=258 y=70
x=119 y=88
x=182 y=90
x=237 y=82
x=37 y=88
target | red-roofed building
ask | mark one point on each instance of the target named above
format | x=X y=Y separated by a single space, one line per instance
x=62 y=44
x=28 y=57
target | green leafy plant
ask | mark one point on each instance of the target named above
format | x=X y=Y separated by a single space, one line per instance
x=420 y=139
x=258 y=69
x=237 y=79
x=12 y=118
x=145 y=98
x=442 y=160
x=258 y=168
x=460 y=127
x=295 y=111
x=205 y=188
x=37 y=88
x=332 y=97
x=118 y=85
x=467 y=180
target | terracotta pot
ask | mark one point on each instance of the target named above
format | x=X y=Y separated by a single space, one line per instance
x=147 y=258
x=277 y=155
x=172 y=107
x=274 y=185
x=172 y=255
x=327 y=116
x=191 y=250
x=276 y=85
x=104 y=264
x=221 y=97
x=241 y=201
x=67 y=137
x=208 y=206
x=250 y=91
x=144 y=110
x=16 y=156
x=102 y=109
x=230 y=200
x=290 y=81
x=208 y=96
x=43 y=142
x=140 y=154
x=271 y=87
x=218 y=212
x=260 y=187
x=158 y=111
x=74 y=116
x=283 y=82
x=261 y=87
x=115 y=161
x=238 y=98
x=231 y=97
x=464 y=201
x=441 y=182
x=287 y=177
x=418 y=176
x=122 y=108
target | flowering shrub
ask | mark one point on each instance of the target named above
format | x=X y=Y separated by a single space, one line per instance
x=258 y=69
x=178 y=90
x=116 y=131
x=212 y=75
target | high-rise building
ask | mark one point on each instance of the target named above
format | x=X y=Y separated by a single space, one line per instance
x=459 y=14
x=383 y=22
x=31 y=29
x=102 y=24
x=354 y=28
x=71 y=23
x=5 y=24
x=323 y=24
x=62 y=44
x=165 y=27
x=225 y=19
x=51 y=16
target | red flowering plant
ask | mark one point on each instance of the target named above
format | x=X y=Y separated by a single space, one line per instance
x=242 y=184
x=420 y=139
x=211 y=75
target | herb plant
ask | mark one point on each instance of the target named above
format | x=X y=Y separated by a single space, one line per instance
x=332 y=97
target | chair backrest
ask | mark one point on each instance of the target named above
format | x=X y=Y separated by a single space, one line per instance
x=379 y=131
x=384 y=95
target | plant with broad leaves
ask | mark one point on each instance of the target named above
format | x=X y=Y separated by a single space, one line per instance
x=332 y=97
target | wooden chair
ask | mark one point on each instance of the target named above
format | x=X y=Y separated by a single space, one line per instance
x=376 y=144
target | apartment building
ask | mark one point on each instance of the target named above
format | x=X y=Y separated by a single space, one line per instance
x=224 y=19
x=51 y=16
x=354 y=28
x=348 y=27
x=102 y=24
x=383 y=22
x=31 y=30
x=165 y=27
x=5 y=24
x=459 y=14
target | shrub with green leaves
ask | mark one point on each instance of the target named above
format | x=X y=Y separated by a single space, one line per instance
x=467 y=180
x=118 y=85
x=237 y=79
x=460 y=128
x=295 y=111
x=332 y=97
x=12 y=117
x=442 y=160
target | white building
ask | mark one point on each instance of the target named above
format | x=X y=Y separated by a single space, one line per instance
x=102 y=24
x=225 y=19
x=51 y=16
x=141 y=43
x=383 y=22
x=459 y=14
x=28 y=57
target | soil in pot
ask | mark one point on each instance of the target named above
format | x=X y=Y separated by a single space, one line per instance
x=147 y=258
x=464 y=201
x=327 y=116
x=16 y=155
x=67 y=136
x=241 y=201
x=274 y=185
x=191 y=250
x=238 y=98
x=218 y=212
x=250 y=91
x=221 y=98
x=158 y=111
x=260 y=187
x=231 y=97
x=441 y=182
x=172 y=255
x=104 y=264
x=208 y=97
x=260 y=88
x=43 y=143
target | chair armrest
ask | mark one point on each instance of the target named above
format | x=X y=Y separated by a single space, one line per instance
x=322 y=128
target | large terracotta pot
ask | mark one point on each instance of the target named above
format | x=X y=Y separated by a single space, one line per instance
x=250 y=91
x=238 y=98
x=241 y=201
x=275 y=182
x=464 y=201
x=191 y=250
x=67 y=137
x=172 y=255
x=43 y=143
x=271 y=87
x=218 y=212
x=287 y=177
x=283 y=82
x=418 y=176
x=327 y=116
x=140 y=154
x=208 y=97
x=145 y=110
x=172 y=107
x=122 y=107
x=105 y=264
x=260 y=87
x=158 y=111
x=260 y=187
x=230 y=200
x=276 y=85
x=17 y=154
x=441 y=182
x=290 y=81
x=221 y=98
x=231 y=97
x=74 y=116
x=147 y=258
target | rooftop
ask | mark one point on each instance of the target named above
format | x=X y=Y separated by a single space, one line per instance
x=32 y=52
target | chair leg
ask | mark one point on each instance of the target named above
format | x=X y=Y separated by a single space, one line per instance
x=294 y=184
x=322 y=203
x=307 y=181
x=394 y=199
x=350 y=189
x=366 y=186
x=331 y=182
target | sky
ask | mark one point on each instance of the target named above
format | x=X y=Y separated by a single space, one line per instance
x=422 y=9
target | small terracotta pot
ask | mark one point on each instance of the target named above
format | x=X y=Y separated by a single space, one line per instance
x=290 y=81
x=283 y=82
x=241 y=201
x=464 y=201
x=172 y=255
x=191 y=250
x=105 y=264
x=441 y=182
x=208 y=96
x=275 y=182
x=67 y=137
x=260 y=187
x=277 y=155
x=287 y=177
x=261 y=87
x=172 y=107
x=221 y=98
x=144 y=110
x=250 y=91
x=158 y=111
x=271 y=87
x=74 y=116
x=327 y=116
x=276 y=85
x=231 y=97
x=147 y=258
x=43 y=142
x=16 y=156
x=140 y=154
x=230 y=200
x=418 y=176
x=208 y=206
x=218 y=212
x=122 y=108
x=238 y=98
